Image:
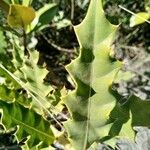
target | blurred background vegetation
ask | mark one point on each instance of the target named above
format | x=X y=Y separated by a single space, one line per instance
x=58 y=45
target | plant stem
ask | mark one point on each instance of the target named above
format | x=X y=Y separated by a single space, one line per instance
x=127 y=10
x=26 y=52
x=13 y=2
x=72 y=9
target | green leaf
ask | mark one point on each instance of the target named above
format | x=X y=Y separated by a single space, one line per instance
x=30 y=77
x=38 y=102
x=33 y=75
x=139 y=18
x=134 y=113
x=4 y=5
x=140 y=111
x=20 y=16
x=9 y=94
x=30 y=124
x=121 y=128
x=9 y=76
x=44 y=16
x=124 y=76
x=46 y=13
x=93 y=72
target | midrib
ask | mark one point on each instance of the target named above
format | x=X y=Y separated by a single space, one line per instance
x=89 y=101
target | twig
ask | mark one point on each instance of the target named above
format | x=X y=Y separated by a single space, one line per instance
x=127 y=10
x=13 y=1
x=130 y=47
x=138 y=73
x=72 y=9
x=26 y=52
x=56 y=46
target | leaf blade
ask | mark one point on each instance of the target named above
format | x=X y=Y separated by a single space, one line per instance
x=93 y=72
x=20 y=16
x=30 y=124
x=139 y=18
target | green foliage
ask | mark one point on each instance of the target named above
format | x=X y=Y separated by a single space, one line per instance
x=139 y=18
x=46 y=13
x=93 y=71
x=29 y=77
x=140 y=111
x=9 y=76
x=96 y=114
x=4 y=5
x=30 y=124
x=43 y=17
x=23 y=92
x=134 y=113
x=96 y=111
x=8 y=94
x=8 y=139
x=19 y=16
x=32 y=77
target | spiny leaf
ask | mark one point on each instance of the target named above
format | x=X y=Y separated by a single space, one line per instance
x=8 y=94
x=134 y=113
x=121 y=127
x=33 y=77
x=30 y=77
x=30 y=124
x=9 y=76
x=93 y=71
x=20 y=16
x=141 y=140
x=16 y=84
